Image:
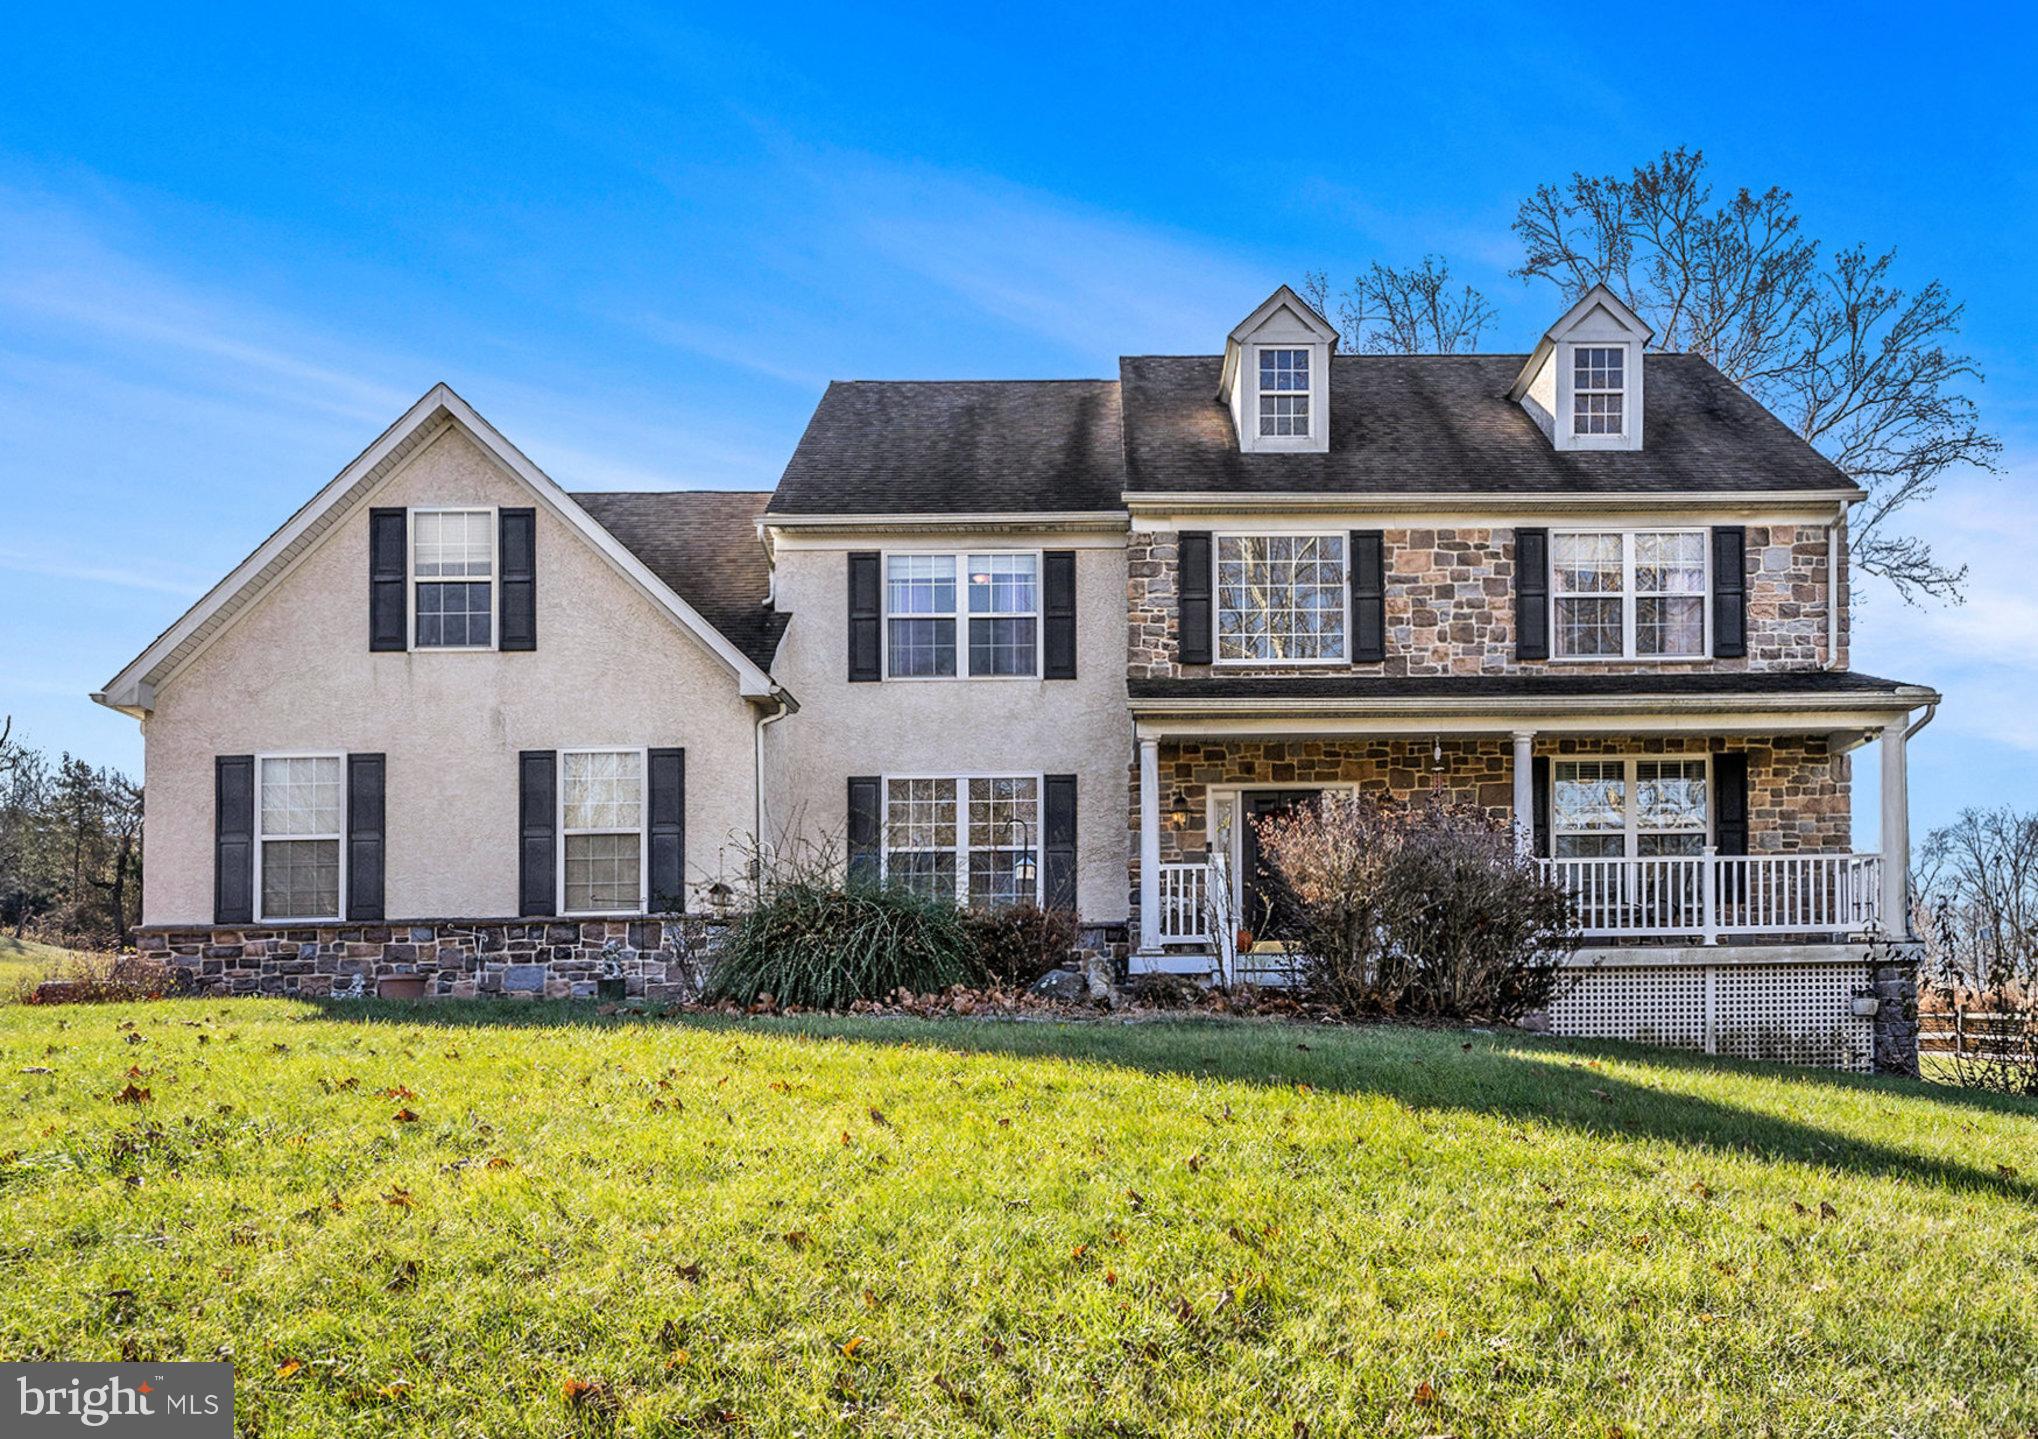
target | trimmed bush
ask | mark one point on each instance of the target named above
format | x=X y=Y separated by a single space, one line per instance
x=1017 y=945
x=809 y=943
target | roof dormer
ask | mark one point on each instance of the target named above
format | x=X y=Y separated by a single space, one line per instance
x=1276 y=377
x=1583 y=383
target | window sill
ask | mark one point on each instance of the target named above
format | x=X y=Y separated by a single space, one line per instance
x=1629 y=659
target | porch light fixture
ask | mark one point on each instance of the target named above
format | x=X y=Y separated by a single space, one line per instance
x=1023 y=870
x=1436 y=754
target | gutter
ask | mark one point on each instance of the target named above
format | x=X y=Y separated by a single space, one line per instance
x=787 y=705
x=1497 y=502
x=1906 y=699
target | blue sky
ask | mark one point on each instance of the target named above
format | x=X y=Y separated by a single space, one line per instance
x=236 y=243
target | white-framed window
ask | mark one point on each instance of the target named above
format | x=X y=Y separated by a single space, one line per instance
x=1628 y=594
x=1599 y=389
x=973 y=838
x=926 y=611
x=452 y=568
x=602 y=835
x=1629 y=808
x=1284 y=392
x=1281 y=599
x=300 y=818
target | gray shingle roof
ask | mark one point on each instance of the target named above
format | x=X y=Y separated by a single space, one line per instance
x=1443 y=423
x=702 y=543
x=879 y=447
x=1683 y=684
x=1399 y=423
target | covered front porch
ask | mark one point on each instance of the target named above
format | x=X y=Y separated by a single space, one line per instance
x=1677 y=821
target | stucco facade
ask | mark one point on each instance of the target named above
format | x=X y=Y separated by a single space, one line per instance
x=294 y=673
x=953 y=726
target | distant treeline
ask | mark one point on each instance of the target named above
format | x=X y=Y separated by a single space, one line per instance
x=70 y=847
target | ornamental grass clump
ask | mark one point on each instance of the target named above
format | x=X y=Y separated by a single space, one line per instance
x=811 y=943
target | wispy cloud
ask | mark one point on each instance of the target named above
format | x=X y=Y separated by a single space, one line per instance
x=125 y=578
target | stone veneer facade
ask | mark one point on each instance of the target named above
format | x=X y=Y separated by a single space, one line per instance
x=458 y=959
x=1450 y=607
x=1798 y=793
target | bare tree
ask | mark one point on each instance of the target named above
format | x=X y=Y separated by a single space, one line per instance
x=1978 y=911
x=1385 y=311
x=1860 y=367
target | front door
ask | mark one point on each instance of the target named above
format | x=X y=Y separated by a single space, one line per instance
x=1263 y=909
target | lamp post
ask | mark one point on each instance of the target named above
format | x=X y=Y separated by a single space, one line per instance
x=1025 y=870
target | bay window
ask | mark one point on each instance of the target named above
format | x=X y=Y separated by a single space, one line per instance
x=601 y=831
x=300 y=814
x=922 y=616
x=453 y=574
x=1280 y=598
x=1629 y=594
x=971 y=838
x=1628 y=808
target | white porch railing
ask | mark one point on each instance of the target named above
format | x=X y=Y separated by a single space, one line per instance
x=1709 y=896
x=1706 y=897
x=1185 y=903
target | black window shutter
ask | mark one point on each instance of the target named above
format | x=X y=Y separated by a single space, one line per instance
x=517 y=553
x=365 y=803
x=866 y=815
x=1539 y=791
x=1058 y=846
x=388 y=604
x=1058 y=614
x=1369 y=596
x=233 y=839
x=666 y=884
x=866 y=614
x=1531 y=594
x=1193 y=585
x=1730 y=591
x=1730 y=801
x=537 y=814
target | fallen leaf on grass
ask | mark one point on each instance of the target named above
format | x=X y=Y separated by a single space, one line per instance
x=691 y=1273
x=498 y=1162
x=395 y=1389
x=287 y=1368
x=869 y=1299
x=877 y=1117
x=398 y=1196
x=405 y=1116
x=849 y=1349
x=1826 y=1211
x=592 y=1394
x=132 y=1095
x=795 y=1238
x=399 y=1091
x=1425 y=1394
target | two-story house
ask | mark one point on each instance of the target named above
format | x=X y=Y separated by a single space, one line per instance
x=1064 y=641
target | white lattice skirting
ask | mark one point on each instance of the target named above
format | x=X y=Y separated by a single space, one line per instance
x=1795 y=1003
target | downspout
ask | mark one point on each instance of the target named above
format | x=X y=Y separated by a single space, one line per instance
x=1930 y=710
x=786 y=706
x=1833 y=589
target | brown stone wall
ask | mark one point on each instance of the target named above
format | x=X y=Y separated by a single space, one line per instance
x=1798 y=793
x=554 y=959
x=1450 y=607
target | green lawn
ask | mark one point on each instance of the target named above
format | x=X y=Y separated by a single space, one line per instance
x=898 y=1227
x=25 y=962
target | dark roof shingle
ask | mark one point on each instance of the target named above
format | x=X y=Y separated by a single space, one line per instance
x=704 y=545
x=1444 y=424
x=876 y=447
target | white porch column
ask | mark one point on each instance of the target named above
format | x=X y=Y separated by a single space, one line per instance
x=1896 y=831
x=1149 y=847
x=1524 y=792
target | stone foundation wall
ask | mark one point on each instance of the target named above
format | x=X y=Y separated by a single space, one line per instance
x=1798 y=792
x=1450 y=606
x=455 y=959
x=1893 y=976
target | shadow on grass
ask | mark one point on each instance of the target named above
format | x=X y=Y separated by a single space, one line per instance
x=1509 y=1075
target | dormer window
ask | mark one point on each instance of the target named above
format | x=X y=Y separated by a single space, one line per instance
x=1284 y=392
x=1598 y=389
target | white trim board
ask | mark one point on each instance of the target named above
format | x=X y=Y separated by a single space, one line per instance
x=133 y=689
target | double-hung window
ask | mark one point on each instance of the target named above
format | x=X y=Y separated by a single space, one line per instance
x=300 y=812
x=974 y=839
x=1628 y=808
x=1284 y=392
x=453 y=573
x=1280 y=598
x=1598 y=389
x=1629 y=594
x=601 y=831
x=922 y=616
